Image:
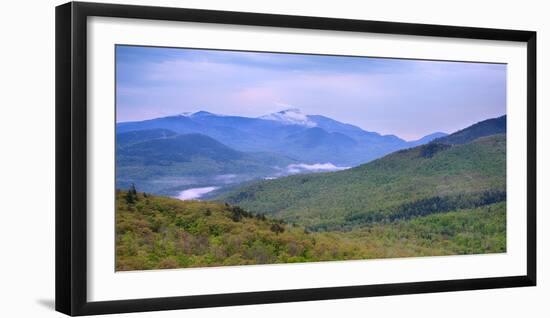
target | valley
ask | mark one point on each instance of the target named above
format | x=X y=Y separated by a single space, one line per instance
x=446 y=196
x=200 y=150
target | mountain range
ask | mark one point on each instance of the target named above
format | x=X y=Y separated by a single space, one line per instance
x=298 y=136
x=217 y=153
x=207 y=151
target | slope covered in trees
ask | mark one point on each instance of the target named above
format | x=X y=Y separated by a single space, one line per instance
x=155 y=232
x=453 y=176
x=483 y=128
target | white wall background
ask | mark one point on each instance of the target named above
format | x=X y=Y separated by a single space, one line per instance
x=27 y=158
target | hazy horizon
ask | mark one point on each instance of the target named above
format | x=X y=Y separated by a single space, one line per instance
x=413 y=139
x=406 y=98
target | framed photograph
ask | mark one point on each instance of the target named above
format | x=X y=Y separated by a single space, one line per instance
x=211 y=158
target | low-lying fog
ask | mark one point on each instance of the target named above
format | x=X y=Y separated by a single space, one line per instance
x=195 y=193
x=221 y=181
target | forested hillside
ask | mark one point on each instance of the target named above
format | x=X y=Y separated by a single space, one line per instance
x=155 y=232
x=484 y=128
x=418 y=181
x=446 y=197
x=163 y=162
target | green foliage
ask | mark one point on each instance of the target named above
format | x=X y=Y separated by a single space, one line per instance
x=159 y=232
x=469 y=231
x=436 y=199
x=429 y=150
x=324 y=201
x=423 y=207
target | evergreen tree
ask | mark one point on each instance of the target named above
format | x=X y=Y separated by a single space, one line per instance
x=131 y=196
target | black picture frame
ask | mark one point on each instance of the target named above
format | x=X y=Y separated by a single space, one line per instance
x=71 y=157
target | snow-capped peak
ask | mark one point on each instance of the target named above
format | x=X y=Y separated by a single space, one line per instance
x=291 y=116
x=198 y=114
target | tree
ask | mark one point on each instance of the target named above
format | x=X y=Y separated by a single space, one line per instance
x=277 y=228
x=131 y=196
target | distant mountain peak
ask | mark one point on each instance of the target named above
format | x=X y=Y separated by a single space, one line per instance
x=200 y=113
x=291 y=116
x=291 y=110
x=203 y=113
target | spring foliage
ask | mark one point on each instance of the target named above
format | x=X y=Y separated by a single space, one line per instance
x=382 y=187
x=154 y=232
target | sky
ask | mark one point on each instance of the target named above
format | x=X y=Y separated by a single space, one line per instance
x=407 y=98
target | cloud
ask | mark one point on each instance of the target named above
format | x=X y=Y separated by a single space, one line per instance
x=316 y=167
x=194 y=193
